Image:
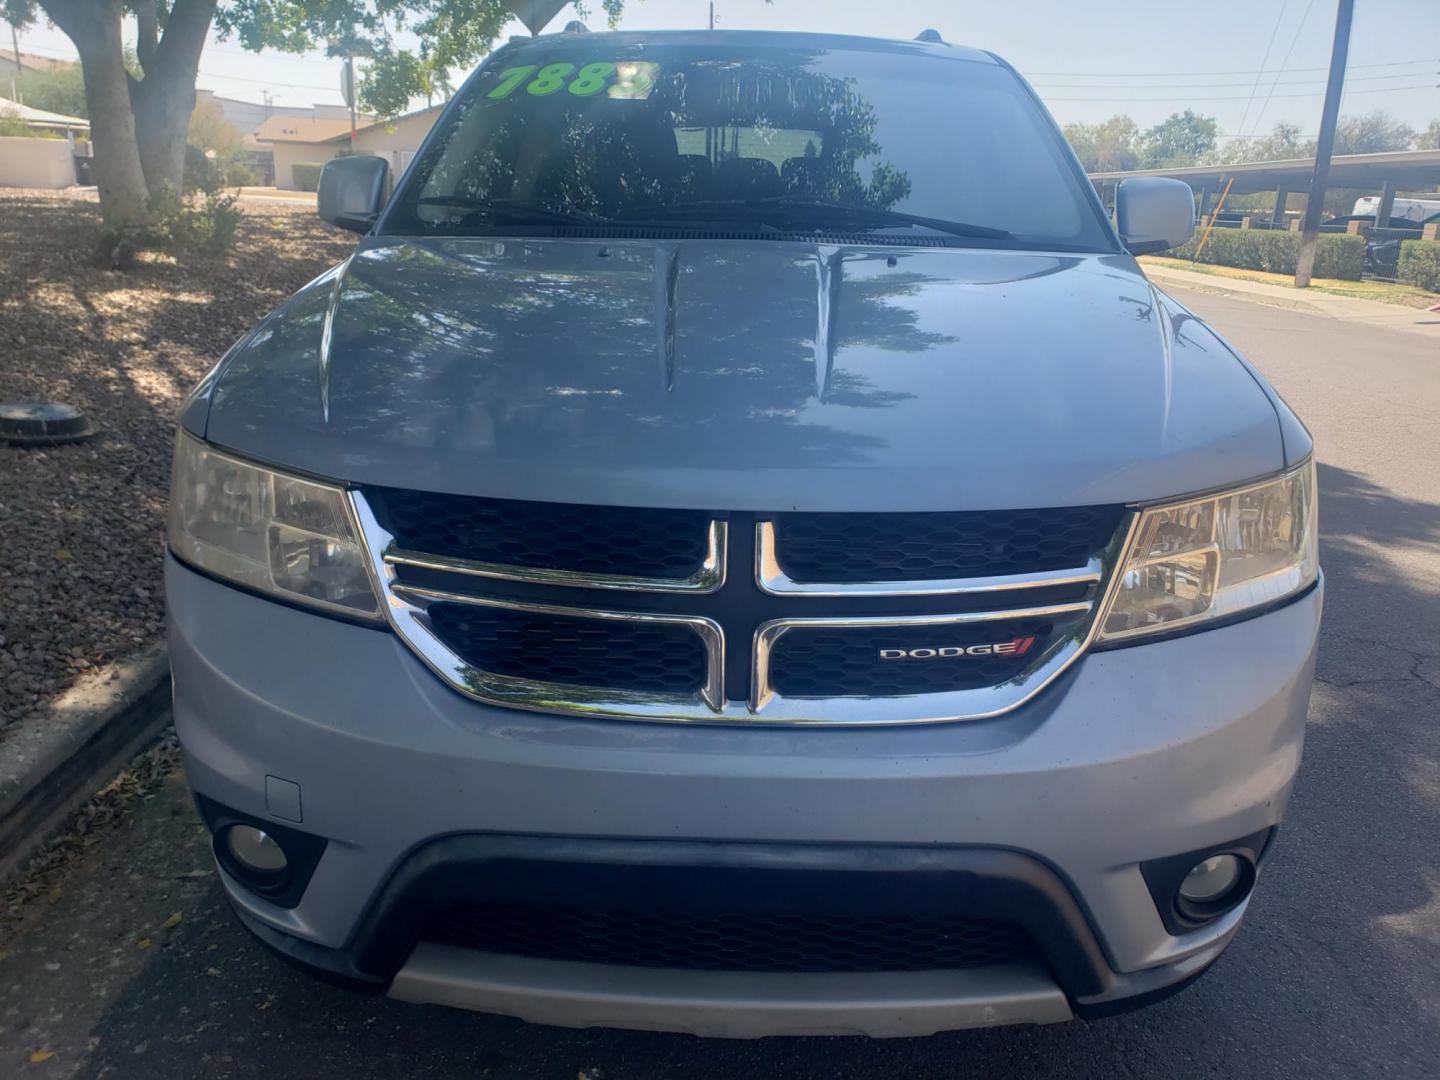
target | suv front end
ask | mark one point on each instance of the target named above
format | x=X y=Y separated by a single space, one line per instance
x=829 y=645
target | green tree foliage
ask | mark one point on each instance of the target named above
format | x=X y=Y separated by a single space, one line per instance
x=1180 y=139
x=1118 y=144
x=140 y=116
x=454 y=35
x=1105 y=147
x=1429 y=138
x=1282 y=143
x=59 y=90
x=210 y=131
x=391 y=80
x=1371 y=133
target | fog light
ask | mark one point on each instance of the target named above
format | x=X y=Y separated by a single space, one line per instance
x=1211 y=880
x=255 y=850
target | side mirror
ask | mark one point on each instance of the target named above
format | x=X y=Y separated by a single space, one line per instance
x=352 y=191
x=1153 y=213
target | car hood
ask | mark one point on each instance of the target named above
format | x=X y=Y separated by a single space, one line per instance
x=762 y=375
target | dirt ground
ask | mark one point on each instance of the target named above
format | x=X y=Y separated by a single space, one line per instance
x=81 y=539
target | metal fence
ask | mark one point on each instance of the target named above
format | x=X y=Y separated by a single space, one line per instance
x=1382 y=251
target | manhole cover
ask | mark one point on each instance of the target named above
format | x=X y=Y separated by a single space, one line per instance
x=42 y=423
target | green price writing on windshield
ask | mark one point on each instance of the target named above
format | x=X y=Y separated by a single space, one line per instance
x=622 y=79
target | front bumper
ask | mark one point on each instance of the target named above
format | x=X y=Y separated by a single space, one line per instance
x=1134 y=754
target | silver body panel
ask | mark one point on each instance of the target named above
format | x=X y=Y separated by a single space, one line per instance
x=726 y=1004
x=1135 y=753
x=1099 y=388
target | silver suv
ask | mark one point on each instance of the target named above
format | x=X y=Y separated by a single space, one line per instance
x=741 y=548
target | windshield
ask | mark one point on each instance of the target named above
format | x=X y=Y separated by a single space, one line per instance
x=782 y=140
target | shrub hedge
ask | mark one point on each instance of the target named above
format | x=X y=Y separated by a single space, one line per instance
x=1336 y=255
x=1420 y=263
x=306 y=174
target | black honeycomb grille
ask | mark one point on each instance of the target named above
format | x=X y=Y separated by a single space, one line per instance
x=649 y=657
x=847 y=662
x=924 y=547
x=550 y=536
x=717 y=941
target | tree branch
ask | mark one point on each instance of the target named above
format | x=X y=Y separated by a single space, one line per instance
x=65 y=14
x=147 y=20
x=178 y=53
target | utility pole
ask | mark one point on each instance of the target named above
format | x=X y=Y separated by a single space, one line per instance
x=350 y=82
x=1310 y=227
x=712 y=14
x=14 y=79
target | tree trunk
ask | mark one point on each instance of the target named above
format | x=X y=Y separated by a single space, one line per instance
x=162 y=106
x=164 y=99
x=94 y=27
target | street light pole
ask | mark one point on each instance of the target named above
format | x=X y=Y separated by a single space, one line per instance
x=1310 y=228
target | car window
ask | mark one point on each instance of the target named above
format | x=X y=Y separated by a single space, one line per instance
x=661 y=134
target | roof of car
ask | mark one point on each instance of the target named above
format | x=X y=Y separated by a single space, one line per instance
x=764 y=39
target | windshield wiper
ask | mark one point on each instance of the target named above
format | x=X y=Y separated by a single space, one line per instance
x=513 y=211
x=790 y=207
x=878 y=216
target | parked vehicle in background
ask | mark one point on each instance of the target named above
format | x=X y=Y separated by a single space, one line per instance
x=742 y=548
x=1382 y=244
x=1413 y=210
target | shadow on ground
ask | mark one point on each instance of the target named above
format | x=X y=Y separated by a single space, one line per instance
x=82 y=523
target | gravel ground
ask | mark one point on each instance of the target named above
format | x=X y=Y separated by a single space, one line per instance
x=81 y=542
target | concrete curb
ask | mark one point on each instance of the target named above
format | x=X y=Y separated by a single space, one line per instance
x=1219 y=287
x=55 y=762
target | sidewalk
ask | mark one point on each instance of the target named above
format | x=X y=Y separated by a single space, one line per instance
x=1368 y=312
x=276 y=193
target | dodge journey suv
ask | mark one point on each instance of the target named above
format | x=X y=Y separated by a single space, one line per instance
x=741 y=548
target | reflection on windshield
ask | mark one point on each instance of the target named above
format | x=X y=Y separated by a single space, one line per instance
x=735 y=137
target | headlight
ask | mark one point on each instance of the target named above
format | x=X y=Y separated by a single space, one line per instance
x=280 y=535
x=1214 y=557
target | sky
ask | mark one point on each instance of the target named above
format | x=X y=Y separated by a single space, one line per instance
x=1249 y=63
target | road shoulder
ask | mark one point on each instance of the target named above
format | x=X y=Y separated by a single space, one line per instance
x=1366 y=312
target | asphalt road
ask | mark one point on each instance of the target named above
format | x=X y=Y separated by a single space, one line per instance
x=1337 y=972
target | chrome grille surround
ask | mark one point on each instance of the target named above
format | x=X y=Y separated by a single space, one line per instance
x=405 y=606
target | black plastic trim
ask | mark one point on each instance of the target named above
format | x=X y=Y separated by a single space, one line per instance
x=1120 y=1006
x=331 y=966
x=990 y=882
x=1163 y=878
x=302 y=851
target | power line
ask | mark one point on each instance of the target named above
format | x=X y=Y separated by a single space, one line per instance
x=1227 y=135
x=1254 y=89
x=1179 y=74
x=1293 y=39
x=1241 y=97
x=1181 y=86
x=271 y=82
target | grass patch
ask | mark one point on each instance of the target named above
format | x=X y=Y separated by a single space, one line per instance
x=1384 y=291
